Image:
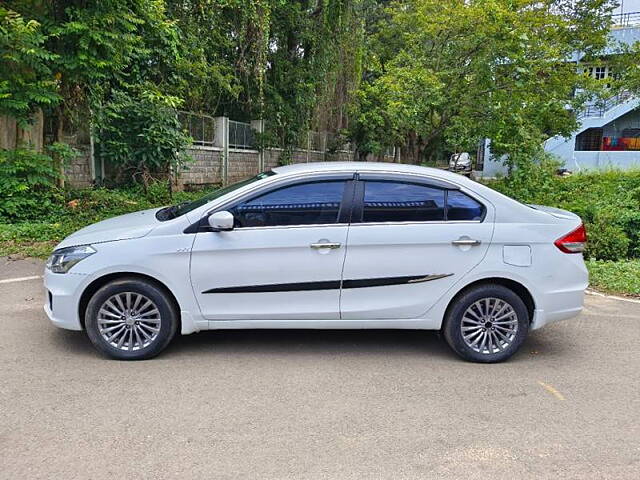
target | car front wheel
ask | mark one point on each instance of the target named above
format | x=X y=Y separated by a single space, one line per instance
x=130 y=319
x=487 y=324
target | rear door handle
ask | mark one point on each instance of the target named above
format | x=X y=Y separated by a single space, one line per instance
x=325 y=245
x=466 y=241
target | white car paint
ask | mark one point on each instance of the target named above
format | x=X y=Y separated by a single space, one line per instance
x=190 y=263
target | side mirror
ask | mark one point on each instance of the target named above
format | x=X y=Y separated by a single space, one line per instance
x=221 y=221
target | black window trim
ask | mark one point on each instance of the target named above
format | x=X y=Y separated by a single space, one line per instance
x=407 y=178
x=344 y=212
x=358 y=207
x=352 y=204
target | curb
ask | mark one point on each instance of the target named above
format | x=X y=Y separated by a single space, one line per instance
x=613 y=297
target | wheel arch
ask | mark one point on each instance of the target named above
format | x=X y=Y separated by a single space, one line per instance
x=99 y=282
x=513 y=285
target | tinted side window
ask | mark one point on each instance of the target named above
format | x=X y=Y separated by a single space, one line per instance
x=401 y=202
x=301 y=204
x=463 y=207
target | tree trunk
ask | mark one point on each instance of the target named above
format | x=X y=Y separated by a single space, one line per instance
x=59 y=162
x=8 y=133
x=413 y=149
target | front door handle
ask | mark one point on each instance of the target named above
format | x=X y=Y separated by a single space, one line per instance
x=326 y=245
x=466 y=242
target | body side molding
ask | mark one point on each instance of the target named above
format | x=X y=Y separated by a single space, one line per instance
x=329 y=284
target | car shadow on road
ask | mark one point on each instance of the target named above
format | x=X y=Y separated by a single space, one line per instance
x=292 y=342
x=72 y=342
x=282 y=342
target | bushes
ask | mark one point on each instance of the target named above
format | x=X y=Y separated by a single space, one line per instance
x=629 y=221
x=608 y=202
x=141 y=135
x=74 y=209
x=607 y=241
x=27 y=185
x=85 y=206
x=532 y=182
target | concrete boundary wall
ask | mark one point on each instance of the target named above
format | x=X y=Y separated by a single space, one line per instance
x=208 y=165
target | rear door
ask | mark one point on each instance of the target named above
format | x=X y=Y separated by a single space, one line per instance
x=410 y=240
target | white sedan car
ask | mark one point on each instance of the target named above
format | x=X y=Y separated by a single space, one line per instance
x=324 y=246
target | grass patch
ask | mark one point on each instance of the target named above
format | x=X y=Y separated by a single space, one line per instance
x=615 y=277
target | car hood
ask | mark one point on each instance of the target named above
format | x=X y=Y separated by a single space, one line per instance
x=124 y=227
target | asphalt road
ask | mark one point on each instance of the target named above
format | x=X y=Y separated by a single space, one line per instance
x=317 y=405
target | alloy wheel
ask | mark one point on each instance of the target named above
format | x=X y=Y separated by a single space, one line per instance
x=489 y=325
x=129 y=321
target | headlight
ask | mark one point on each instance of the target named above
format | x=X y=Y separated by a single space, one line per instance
x=62 y=260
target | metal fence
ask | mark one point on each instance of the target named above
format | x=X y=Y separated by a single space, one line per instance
x=202 y=128
x=599 y=108
x=626 y=19
x=241 y=135
x=317 y=141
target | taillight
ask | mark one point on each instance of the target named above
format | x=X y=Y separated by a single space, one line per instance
x=574 y=241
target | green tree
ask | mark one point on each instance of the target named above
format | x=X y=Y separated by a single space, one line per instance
x=101 y=50
x=153 y=142
x=454 y=72
x=26 y=79
x=293 y=63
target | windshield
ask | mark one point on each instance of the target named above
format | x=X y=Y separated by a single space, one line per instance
x=174 y=211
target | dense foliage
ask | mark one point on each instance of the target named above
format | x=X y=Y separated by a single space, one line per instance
x=26 y=78
x=294 y=63
x=153 y=142
x=27 y=185
x=37 y=234
x=447 y=74
x=28 y=182
x=426 y=75
x=608 y=203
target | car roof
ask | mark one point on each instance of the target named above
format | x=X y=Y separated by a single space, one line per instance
x=507 y=209
x=300 y=168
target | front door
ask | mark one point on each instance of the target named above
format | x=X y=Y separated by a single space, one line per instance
x=408 y=244
x=282 y=260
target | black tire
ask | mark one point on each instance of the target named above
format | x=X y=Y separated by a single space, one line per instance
x=452 y=328
x=167 y=312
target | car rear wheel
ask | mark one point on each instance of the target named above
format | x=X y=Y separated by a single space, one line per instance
x=130 y=319
x=487 y=324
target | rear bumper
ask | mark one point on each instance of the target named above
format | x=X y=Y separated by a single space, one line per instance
x=62 y=295
x=558 y=306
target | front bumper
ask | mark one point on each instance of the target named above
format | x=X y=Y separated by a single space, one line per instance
x=62 y=297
